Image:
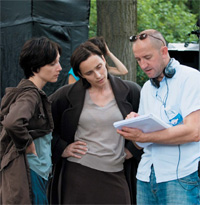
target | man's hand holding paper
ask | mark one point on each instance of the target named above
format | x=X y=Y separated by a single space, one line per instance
x=135 y=127
x=131 y=115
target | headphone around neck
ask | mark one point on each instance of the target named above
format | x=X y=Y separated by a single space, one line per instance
x=169 y=72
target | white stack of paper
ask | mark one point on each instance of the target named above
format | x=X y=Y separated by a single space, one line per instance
x=146 y=123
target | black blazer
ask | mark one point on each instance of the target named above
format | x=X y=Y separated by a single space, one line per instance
x=67 y=104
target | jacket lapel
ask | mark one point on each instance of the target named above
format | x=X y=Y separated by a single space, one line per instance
x=121 y=91
x=76 y=96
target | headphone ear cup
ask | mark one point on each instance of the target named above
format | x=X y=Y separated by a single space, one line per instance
x=169 y=71
x=155 y=82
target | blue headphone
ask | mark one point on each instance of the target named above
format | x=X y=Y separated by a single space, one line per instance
x=169 y=72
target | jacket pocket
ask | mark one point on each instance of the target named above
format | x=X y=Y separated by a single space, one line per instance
x=15 y=180
x=9 y=157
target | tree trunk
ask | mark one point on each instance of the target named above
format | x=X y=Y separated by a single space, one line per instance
x=116 y=22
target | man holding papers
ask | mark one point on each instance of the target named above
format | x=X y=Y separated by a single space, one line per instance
x=168 y=170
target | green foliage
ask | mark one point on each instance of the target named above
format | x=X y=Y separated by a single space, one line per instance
x=171 y=17
x=175 y=19
x=93 y=19
x=194 y=6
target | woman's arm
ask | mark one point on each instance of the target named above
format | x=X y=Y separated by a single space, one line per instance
x=71 y=79
x=17 y=120
x=120 y=68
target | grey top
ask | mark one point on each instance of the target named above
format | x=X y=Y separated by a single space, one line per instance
x=105 y=145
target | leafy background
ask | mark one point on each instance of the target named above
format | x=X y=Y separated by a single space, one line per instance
x=175 y=19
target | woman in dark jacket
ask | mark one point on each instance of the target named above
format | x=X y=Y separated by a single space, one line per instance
x=25 y=124
x=88 y=153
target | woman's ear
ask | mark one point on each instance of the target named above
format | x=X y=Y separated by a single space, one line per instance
x=103 y=58
x=80 y=74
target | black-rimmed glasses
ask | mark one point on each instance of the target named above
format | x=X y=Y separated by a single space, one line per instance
x=144 y=36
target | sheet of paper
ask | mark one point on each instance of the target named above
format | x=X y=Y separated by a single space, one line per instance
x=146 y=123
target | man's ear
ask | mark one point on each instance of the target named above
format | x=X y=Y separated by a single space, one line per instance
x=164 y=51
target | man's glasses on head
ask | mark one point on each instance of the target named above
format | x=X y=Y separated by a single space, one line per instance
x=144 y=36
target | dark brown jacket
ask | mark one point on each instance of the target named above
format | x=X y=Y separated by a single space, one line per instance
x=24 y=116
x=67 y=104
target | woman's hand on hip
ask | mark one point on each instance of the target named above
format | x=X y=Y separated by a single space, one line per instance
x=75 y=149
x=31 y=149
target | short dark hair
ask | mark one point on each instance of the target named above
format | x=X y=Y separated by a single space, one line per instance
x=100 y=42
x=36 y=53
x=82 y=53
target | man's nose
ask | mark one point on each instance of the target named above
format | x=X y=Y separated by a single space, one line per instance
x=143 y=64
